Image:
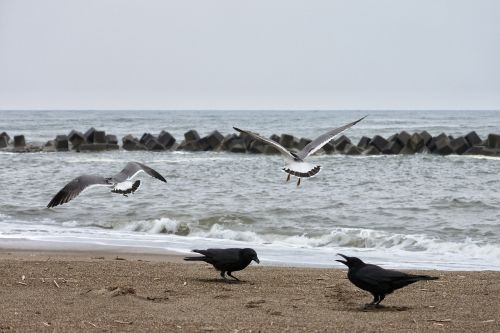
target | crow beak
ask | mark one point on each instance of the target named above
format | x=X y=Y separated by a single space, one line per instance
x=343 y=261
x=256 y=260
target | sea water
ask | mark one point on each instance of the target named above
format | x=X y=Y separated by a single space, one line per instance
x=416 y=211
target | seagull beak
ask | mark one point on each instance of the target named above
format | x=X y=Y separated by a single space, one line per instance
x=256 y=260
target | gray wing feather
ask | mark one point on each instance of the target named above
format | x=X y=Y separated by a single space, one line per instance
x=132 y=169
x=322 y=140
x=276 y=145
x=75 y=187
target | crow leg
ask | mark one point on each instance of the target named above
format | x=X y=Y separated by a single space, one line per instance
x=288 y=178
x=373 y=303
x=234 y=277
x=380 y=299
x=223 y=274
x=298 y=182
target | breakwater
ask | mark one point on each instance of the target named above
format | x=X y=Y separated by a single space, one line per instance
x=399 y=143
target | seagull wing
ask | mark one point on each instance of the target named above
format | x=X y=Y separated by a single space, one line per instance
x=75 y=187
x=322 y=140
x=276 y=145
x=132 y=169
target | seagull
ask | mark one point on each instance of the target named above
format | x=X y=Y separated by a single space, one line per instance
x=295 y=161
x=119 y=183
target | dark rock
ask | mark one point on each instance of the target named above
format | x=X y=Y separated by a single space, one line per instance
x=442 y=146
x=394 y=147
x=352 y=150
x=227 y=140
x=190 y=146
x=3 y=142
x=191 y=135
x=214 y=139
x=257 y=147
x=275 y=138
x=132 y=143
x=93 y=147
x=392 y=138
x=302 y=143
x=19 y=141
x=406 y=150
x=89 y=135
x=146 y=137
x=460 y=145
x=372 y=150
x=494 y=141
x=237 y=146
x=473 y=139
x=481 y=150
x=6 y=136
x=379 y=142
x=166 y=139
x=329 y=148
x=153 y=144
x=270 y=150
x=203 y=144
x=111 y=139
x=61 y=143
x=416 y=142
x=76 y=138
x=403 y=138
x=341 y=143
x=441 y=138
x=426 y=136
x=288 y=141
x=99 y=137
x=364 y=142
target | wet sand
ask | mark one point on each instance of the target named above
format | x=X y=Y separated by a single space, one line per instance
x=102 y=291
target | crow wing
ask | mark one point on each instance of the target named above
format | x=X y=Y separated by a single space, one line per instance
x=220 y=257
x=379 y=280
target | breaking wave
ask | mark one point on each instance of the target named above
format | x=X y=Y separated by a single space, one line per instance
x=358 y=239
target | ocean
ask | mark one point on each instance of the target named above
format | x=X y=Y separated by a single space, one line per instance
x=419 y=211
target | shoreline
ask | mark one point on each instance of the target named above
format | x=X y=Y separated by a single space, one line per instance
x=102 y=291
x=271 y=256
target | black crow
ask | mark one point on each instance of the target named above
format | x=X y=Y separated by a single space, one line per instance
x=227 y=260
x=377 y=280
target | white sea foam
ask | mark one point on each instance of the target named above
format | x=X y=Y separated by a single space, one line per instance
x=360 y=239
x=219 y=232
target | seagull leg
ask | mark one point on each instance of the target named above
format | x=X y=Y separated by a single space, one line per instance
x=234 y=277
x=288 y=178
x=298 y=182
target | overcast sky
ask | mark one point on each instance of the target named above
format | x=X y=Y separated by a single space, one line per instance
x=258 y=54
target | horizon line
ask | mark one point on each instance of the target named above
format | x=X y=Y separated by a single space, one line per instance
x=246 y=110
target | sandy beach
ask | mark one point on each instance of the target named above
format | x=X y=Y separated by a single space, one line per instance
x=104 y=291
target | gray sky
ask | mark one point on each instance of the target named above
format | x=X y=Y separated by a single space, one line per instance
x=259 y=54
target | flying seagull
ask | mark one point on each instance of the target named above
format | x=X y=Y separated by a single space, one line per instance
x=377 y=280
x=295 y=161
x=119 y=183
